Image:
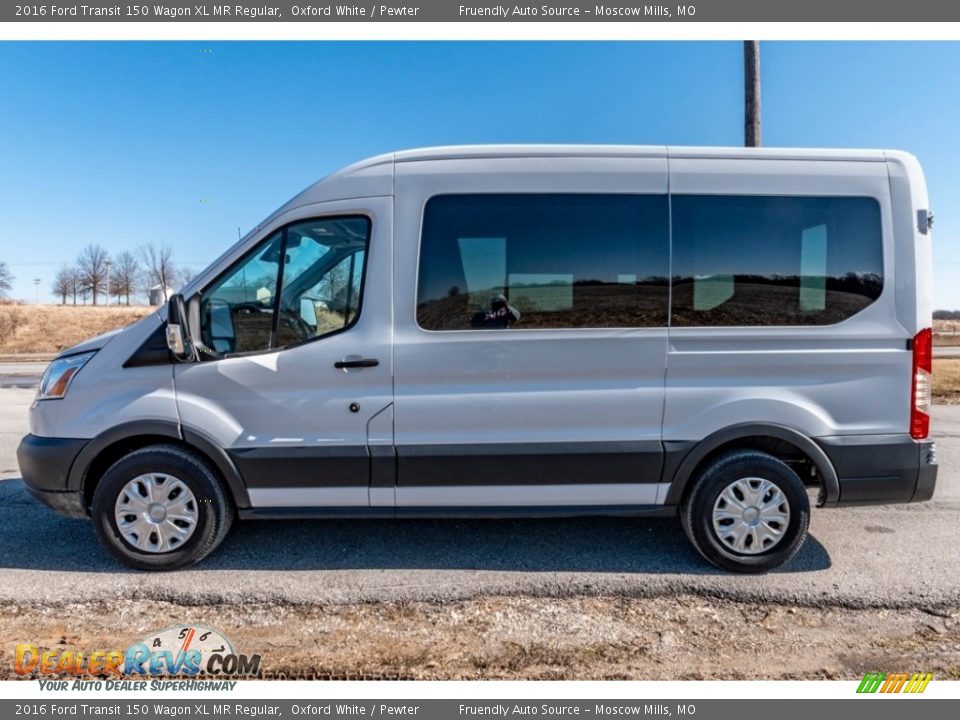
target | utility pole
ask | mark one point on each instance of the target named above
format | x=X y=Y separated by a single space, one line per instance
x=751 y=93
x=37 y=281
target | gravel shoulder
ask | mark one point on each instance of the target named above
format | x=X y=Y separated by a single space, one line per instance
x=685 y=637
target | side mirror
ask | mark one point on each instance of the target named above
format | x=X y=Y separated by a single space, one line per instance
x=179 y=341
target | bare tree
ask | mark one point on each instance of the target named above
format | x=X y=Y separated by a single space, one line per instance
x=62 y=283
x=75 y=284
x=751 y=93
x=92 y=265
x=335 y=281
x=126 y=275
x=6 y=279
x=186 y=275
x=158 y=266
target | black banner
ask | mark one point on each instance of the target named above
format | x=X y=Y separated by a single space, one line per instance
x=875 y=708
x=453 y=11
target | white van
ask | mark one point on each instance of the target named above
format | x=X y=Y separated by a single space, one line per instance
x=522 y=330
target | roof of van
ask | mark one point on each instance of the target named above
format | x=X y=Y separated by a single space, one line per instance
x=457 y=152
x=463 y=152
x=374 y=176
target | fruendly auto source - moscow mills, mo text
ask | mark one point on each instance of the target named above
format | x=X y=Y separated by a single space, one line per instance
x=574 y=11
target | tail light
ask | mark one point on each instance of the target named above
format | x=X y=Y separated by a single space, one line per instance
x=922 y=384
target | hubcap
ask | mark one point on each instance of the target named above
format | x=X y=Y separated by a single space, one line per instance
x=156 y=512
x=751 y=515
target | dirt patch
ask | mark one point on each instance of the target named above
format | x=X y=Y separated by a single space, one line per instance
x=527 y=638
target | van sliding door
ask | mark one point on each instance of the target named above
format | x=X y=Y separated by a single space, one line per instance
x=530 y=332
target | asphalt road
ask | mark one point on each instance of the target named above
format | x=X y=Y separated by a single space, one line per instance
x=21 y=374
x=893 y=556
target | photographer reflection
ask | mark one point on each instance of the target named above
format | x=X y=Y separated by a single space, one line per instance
x=500 y=316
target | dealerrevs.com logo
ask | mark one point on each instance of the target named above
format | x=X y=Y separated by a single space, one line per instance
x=184 y=650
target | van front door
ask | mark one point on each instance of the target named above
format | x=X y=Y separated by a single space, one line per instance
x=299 y=383
x=530 y=338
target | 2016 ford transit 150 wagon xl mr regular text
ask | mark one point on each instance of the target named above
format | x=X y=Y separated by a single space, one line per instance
x=522 y=330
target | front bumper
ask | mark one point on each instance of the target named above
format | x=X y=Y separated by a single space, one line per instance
x=882 y=469
x=45 y=465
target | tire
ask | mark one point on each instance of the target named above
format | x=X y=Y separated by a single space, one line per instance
x=206 y=507
x=734 y=472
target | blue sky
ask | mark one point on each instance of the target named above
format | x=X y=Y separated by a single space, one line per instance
x=180 y=143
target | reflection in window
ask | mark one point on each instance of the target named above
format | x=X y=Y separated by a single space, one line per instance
x=758 y=260
x=321 y=278
x=542 y=292
x=543 y=261
x=332 y=303
x=813 y=268
x=710 y=291
x=484 y=267
x=237 y=311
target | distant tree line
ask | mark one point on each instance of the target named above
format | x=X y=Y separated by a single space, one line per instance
x=130 y=273
x=946 y=314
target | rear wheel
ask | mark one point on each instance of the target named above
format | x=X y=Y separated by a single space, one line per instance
x=161 y=508
x=747 y=512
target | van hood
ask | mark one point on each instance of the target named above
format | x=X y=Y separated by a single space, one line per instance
x=94 y=343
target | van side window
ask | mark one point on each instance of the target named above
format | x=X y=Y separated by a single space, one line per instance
x=262 y=303
x=543 y=261
x=753 y=260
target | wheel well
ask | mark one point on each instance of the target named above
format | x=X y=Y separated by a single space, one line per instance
x=783 y=450
x=110 y=454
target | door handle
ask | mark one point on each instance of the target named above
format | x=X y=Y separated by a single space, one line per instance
x=356 y=362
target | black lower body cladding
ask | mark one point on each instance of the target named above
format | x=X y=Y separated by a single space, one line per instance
x=45 y=462
x=882 y=469
x=45 y=465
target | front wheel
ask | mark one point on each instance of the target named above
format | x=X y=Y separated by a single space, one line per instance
x=160 y=508
x=748 y=512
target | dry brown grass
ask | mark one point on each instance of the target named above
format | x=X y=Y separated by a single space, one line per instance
x=51 y=328
x=946 y=326
x=946 y=380
x=946 y=333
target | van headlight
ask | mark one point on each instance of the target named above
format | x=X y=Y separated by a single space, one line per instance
x=56 y=378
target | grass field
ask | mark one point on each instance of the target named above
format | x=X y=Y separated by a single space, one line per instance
x=946 y=333
x=26 y=329
x=946 y=380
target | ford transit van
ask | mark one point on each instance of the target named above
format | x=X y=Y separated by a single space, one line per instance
x=725 y=335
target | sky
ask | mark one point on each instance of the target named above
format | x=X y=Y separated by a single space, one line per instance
x=182 y=143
